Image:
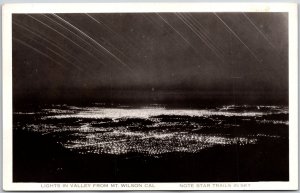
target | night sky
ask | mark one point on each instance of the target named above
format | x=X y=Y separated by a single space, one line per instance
x=224 y=53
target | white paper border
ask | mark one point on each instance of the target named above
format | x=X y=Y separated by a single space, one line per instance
x=9 y=9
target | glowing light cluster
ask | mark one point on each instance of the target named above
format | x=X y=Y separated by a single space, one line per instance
x=153 y=131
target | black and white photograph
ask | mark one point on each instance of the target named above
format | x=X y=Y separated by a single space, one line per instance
x=148 y=97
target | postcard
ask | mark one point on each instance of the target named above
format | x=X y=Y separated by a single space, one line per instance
x=150 y=96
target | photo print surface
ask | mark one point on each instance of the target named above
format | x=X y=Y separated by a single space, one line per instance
x=150 y=97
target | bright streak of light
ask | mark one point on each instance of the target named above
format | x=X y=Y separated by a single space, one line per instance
x=235 y=35
x=186 y=41
x=94 y=41
x=62 y=35
x=50 y=42
x=64 y=58
x=103 y=24
x=156 y=24
x=86 y=42
x=110 y=30
x=59 y=55
x=38 y=51
x=106 y=26
x=203 y=31
x=261 y=33
x=198 y=35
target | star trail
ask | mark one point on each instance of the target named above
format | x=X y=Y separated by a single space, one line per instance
x=151 y=51
x=198 y=34
x=176 y=31
x=257 y=28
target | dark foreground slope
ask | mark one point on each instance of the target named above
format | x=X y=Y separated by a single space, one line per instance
x=38 y=158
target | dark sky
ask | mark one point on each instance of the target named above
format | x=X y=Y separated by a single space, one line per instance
x=212 y=52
